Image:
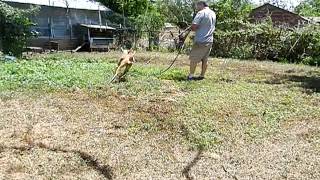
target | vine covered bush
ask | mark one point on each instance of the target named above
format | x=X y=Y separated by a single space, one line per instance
x=264 y=41
x=15 y=28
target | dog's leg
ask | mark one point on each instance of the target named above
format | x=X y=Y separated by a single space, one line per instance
x=128 y=66
x=114 y=76
x=117 y=73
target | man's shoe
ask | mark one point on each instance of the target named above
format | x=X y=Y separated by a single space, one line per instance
x=191 y=78
x=200 y=78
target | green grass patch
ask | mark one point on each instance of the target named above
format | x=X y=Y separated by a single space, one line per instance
x=223 y=107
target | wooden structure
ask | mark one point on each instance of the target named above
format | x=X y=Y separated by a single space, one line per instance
x=98 y=37
x=58 y=22
x=279 y=16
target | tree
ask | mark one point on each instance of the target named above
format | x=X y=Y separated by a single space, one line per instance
x=227 y=11
x=278 y=3
x=129 y=8
x=15 y=28
x=231 y=14
x=309 y=8
x=177 y=10
x=150 y=22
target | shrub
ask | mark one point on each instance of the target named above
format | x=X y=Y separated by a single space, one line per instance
x=14 y=28
x=264 y=41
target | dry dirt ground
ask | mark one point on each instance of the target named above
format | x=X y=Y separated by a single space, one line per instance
x=84 y=134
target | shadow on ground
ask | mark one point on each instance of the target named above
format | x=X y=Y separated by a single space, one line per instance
x=311 y=84
x=90 y=160
x=187 y=169
x=174 y=78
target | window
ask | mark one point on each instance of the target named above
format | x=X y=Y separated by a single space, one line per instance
x=59 y=26
x=43 y=26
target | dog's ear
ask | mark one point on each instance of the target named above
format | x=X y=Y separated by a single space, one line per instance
x=124 y=51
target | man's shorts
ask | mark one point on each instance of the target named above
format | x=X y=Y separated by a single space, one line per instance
x=200 y=52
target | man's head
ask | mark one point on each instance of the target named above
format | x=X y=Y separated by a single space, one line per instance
x=201 y=5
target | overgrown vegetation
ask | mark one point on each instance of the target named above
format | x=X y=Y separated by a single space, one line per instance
x=150 y=23
x=263 y=41
x=15 y=28
x=309 y=8
x=127 y=8
x=236 y=37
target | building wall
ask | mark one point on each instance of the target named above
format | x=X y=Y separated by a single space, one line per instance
x=280 y=17
x=60 y=24
x=64 y=44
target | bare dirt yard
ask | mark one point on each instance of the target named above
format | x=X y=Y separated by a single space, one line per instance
x=60 y=119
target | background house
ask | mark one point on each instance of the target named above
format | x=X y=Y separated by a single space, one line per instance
x=61 y=22
x=279 y=16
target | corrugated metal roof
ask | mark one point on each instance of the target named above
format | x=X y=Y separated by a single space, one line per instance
x=73 y=4
x=97 y=26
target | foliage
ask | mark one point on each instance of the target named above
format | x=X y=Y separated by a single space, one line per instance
x=279 y=3
x=309 y=8
x=231 y=13
x=177 y=10
x=144 y=15
x=263 y=41
x=127 y=7
x=14 y=28
x=150 y=22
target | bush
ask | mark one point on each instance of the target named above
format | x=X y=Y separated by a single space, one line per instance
x=311 y=61
x=14 y=29
x=264 y=41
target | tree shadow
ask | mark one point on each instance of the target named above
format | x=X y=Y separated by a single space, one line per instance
x=170 y=77
x=105 y=170
x=311 y=84
x=90 y=160
x=187 y=169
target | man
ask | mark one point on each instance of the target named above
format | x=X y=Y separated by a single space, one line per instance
x=204 y=26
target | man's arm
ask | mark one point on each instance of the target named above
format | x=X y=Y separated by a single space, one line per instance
x=194 y=27
x=196 y=22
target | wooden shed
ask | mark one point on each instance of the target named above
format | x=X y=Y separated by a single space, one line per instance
x=58 y=22
x=279 y=16
x=97 y=37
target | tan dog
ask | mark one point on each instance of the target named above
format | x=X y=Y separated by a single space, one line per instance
x=124 y=64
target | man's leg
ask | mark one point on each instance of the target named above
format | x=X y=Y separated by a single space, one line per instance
x=194 y=57
x=205 y=61
x=204 y=68
x=193 y=66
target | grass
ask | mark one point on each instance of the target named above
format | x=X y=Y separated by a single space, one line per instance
x=65 y=101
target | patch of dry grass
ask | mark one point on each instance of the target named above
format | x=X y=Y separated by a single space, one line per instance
x=248 y=119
